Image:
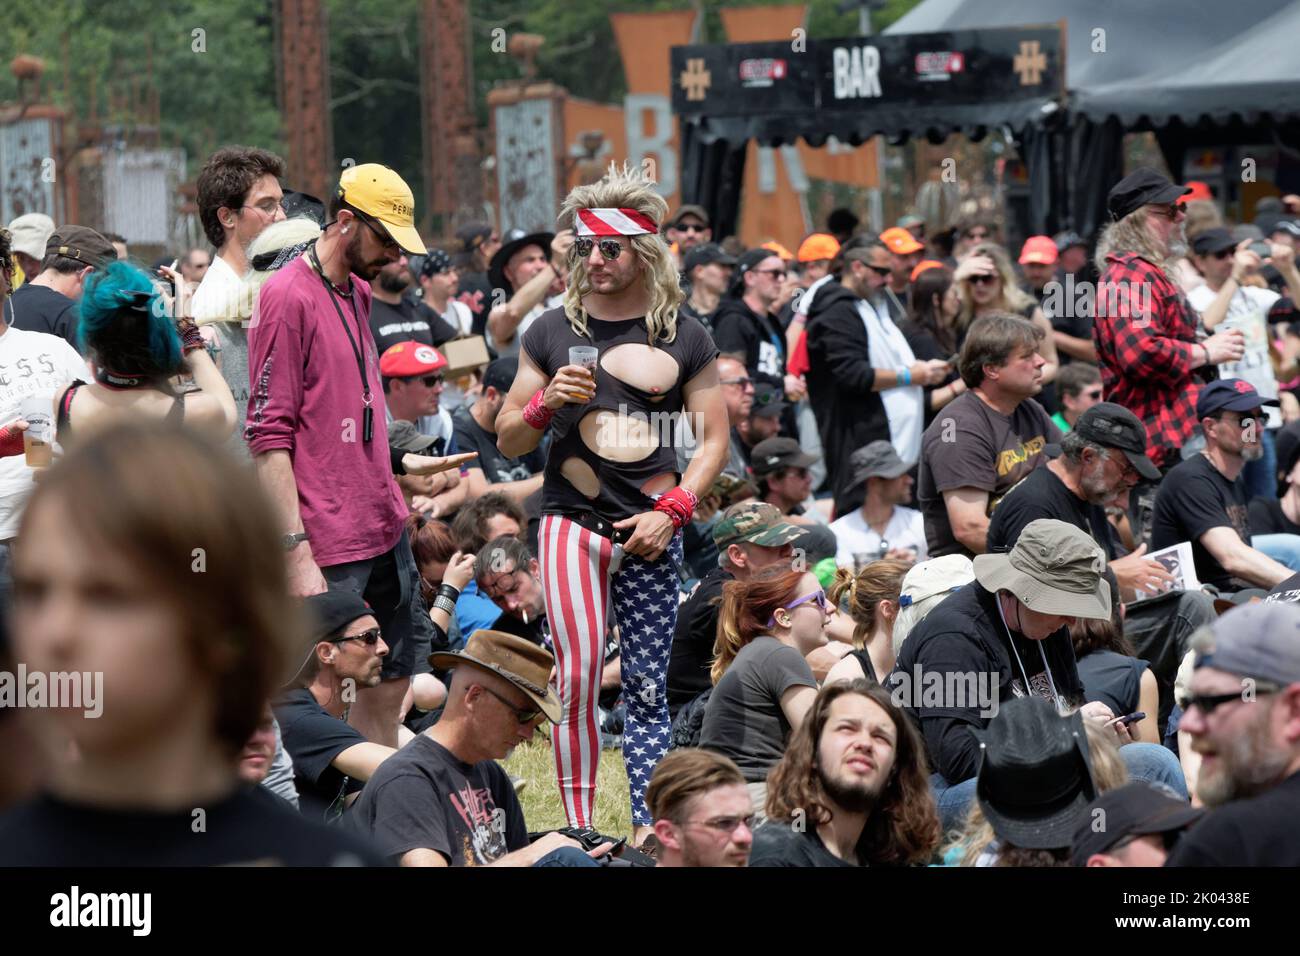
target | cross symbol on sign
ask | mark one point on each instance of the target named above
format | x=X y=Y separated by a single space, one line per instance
x=1030 y=63
x=695 y=79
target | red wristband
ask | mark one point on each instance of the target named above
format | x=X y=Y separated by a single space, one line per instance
x=11 y=441
x=191 y=339
x=678 y=504
x=536 y=413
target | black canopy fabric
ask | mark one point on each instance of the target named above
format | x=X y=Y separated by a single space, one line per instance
x=1196 y=73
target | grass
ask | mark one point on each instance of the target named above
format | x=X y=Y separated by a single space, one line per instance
x=543 y=809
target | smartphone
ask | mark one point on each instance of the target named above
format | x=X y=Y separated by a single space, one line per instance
x=1128 y=718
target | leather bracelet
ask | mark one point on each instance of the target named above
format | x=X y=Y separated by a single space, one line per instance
x=450 y=591
x=441 y=603
x=536 y=413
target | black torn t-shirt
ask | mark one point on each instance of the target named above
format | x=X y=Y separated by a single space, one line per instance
x=604 y=452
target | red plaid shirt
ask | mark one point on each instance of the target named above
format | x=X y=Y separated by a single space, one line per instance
x=1144 y=333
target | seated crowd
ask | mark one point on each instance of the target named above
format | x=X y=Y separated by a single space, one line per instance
x=981 y=558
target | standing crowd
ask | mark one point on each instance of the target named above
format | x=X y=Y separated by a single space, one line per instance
x=897 y=549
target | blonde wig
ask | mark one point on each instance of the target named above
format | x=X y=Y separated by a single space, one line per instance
x=628 y=188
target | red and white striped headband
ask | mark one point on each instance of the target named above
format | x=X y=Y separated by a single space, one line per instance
x=615 y=222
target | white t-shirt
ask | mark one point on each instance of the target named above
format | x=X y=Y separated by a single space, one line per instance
x=31 y=363
x=1247 y=311
x=217 y=297
x=906 y=529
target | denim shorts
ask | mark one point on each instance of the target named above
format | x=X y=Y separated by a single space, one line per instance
x=390 y=584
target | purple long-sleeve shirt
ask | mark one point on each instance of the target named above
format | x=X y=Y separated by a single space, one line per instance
x=306 y=398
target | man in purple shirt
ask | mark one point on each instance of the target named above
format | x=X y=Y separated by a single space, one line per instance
x=318 y=434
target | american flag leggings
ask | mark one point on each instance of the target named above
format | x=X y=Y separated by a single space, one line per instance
x=575 y=566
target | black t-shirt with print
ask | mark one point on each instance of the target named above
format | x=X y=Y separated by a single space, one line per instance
x=1193 y=498
x=777 y=843
x=314 y=738
x=649 y=410
x=424 y=797
x=965 y=636
x=1288 y=591
x=408 y=321
x=471 y=436
x=251 y=827
x=971 y=445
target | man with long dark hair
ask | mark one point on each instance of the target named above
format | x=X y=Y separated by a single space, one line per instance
x=852 y=789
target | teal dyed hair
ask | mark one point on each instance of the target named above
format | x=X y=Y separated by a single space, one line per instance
x=124 y=325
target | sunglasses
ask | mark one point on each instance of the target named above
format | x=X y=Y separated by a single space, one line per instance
x=1167 y=212
x=609 y=248
x=881 y=271
x=725 y=824
x=370 y=638
x=1209 y=703
x=775 y=273
x=983 y=279
x=385 y=240
x=1224 y=253
x=742 y=382
x=819 y=596
x=691 y=228
x=522 y=715
x=431 y=381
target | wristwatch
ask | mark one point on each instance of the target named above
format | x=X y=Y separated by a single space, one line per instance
x=292 y=539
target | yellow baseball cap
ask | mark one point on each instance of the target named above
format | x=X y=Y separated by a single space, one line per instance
x=381 y=194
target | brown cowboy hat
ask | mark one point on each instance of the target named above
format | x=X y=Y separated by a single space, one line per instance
x=520 y=661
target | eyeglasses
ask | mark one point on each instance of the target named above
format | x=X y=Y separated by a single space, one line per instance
x=742 y=382
x=609 y=248
x=726 y=825
x=385 y=240
x=370 y=638
x=1209 y=703
x=267 y=207
x=775 y=273
x=492 y=590
x=521 y=715
x=983 y=278
x=819 y=596
x=1126 y=467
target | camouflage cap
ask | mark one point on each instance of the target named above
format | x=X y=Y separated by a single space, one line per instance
x=756 y=522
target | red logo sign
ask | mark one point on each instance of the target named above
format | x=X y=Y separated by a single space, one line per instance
x=940 y=65
x=762 y=72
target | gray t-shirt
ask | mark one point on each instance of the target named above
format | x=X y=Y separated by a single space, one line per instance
x=743 y=719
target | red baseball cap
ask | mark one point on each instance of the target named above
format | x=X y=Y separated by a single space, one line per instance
x=410 y=359
x=900 y=242
x=1038 y=249
x=925 y=264
x=1199 y=190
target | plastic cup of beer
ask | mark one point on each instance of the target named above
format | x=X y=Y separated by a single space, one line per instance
x=584 y=355
x=38 y=440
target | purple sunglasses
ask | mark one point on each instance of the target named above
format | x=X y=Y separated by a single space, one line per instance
x=819 y=596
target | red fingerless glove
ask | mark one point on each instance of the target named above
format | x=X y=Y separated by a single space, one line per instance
x=678 y=504
x=11 y=441
x=536 y=413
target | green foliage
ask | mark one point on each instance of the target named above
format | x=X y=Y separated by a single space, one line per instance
x=97 y=53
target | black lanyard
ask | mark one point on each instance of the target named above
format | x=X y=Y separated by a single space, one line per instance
x=368 y=415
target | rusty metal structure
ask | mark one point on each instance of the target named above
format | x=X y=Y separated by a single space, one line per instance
x=302 y=74
x=453 y=183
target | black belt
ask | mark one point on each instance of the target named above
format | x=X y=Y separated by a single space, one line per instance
x=598 y=525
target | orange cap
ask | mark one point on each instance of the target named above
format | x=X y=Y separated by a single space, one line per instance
x=775 y=247
x=900 y=242
x=923 y=265
x=818 y=246
x=1039 y=249
x=1199 y=190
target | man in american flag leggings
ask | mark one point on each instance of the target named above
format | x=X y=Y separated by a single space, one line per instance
x=618 y=380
